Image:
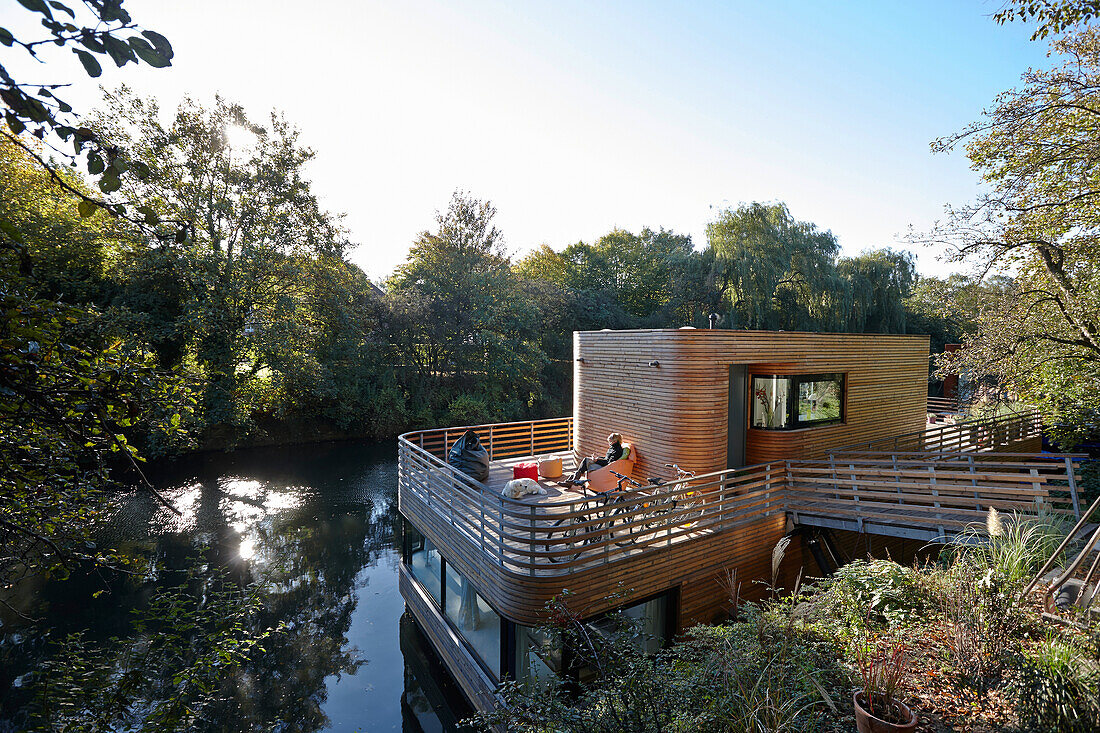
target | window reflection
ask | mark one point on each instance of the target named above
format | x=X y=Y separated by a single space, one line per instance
x=797 y=401
x=424 y=562
x=538 y=656
x=769 y=402
x=473 y=618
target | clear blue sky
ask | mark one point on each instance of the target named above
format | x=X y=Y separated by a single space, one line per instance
x=576 y=117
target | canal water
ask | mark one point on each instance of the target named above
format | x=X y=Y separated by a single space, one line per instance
x=319 y=520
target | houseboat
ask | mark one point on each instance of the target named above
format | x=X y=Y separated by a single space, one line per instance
x=774 y=433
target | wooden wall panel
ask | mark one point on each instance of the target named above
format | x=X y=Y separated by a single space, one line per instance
x=602 y=586
x=677 y=412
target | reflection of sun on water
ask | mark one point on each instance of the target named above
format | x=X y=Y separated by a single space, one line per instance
x=248 y=504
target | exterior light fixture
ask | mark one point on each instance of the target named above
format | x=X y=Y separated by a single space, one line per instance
x=655 y=363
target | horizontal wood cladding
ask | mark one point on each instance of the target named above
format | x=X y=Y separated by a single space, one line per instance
x=601 y=587
x=676 y=412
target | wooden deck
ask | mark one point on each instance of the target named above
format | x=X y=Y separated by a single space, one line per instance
x=522 y=550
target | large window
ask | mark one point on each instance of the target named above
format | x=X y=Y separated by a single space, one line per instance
x=424 y=562
x=473 y=618
x=468 y=613
x=538 y=656
x=797 y=401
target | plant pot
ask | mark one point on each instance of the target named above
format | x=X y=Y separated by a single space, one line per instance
x=867 y=723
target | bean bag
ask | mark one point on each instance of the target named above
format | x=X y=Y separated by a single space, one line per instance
x=469 y=456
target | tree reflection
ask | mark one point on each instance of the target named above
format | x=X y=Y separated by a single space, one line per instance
x=314 y=520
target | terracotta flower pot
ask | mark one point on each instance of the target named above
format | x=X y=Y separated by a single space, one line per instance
x=867 y=723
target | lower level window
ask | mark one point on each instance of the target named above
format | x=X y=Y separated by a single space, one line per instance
x=538 y=656
x=473 y=618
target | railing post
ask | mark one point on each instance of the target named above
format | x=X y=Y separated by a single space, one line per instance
x=935 y=498
x=531 y=427
x=1073 y=487
x=974 y=483
x=531 y=543
x=1037 y=486
x=490 y=442
x=832 y=467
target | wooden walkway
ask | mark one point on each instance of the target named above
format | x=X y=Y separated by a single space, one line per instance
x=916 y=494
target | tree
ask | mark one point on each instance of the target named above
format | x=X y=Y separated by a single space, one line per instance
x=76 y=392
x=1052 y=16
x=774 y=270
x=96 y=28
x=638 y=270
x=245 y=225
x=878 y=282
x=1040 y=222
x=463 y=329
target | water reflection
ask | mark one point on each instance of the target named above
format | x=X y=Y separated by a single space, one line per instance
x=320 y=524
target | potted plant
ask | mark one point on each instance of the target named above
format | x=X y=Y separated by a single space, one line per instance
x=877 y=708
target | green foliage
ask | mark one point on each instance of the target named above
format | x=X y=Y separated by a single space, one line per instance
x=780 y=273
x=1034 y=147
x=644 y=274
x=987 y=567
x=465 y=336
x=173 y=674
x=90 y=29
x=1008 y=549
x=1057 y=688
x=1051 y=16
x=70 y=394
x=872 y=591
x=763 y=674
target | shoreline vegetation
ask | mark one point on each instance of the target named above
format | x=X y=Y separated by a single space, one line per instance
x=946 y=634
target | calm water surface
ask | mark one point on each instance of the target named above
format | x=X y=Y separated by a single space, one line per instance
x=322 y=520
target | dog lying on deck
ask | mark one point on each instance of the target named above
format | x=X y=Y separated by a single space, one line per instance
x=518 y=487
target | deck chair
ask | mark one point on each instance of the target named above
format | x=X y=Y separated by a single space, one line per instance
x=601 y=479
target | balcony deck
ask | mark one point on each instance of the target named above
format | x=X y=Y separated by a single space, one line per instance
x=521 y=549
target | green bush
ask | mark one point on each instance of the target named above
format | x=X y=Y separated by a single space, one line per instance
x=875 y=591
x=1011 y=548
x=1057 y=688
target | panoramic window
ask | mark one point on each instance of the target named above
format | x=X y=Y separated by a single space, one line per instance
x=424 y=562
x=797 y=401
x=473 y=618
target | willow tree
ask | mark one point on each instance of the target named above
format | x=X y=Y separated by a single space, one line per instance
x=1037 y=147
x=879 y=282
x=776 y=271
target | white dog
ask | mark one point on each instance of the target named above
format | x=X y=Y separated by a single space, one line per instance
x=518 y=487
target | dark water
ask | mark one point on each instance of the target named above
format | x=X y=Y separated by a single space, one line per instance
x=322 y=521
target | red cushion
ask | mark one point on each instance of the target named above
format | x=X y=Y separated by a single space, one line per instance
x=526 y=470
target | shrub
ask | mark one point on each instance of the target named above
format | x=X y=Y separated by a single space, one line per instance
x=1057 y=688
x=1012 y=547
x=983 y=621
x=877 y=591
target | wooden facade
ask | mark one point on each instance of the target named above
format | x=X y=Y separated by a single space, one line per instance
x=677 y=410
x=669 y=393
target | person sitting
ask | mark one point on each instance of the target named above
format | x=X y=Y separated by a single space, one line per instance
x=614 y=453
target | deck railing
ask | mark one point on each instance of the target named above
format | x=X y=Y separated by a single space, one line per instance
x=935 y=491
x=940 y=489
x=966 y=435
x=502 y=440
x=943 y=406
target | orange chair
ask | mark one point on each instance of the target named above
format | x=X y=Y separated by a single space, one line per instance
x=601 y=479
